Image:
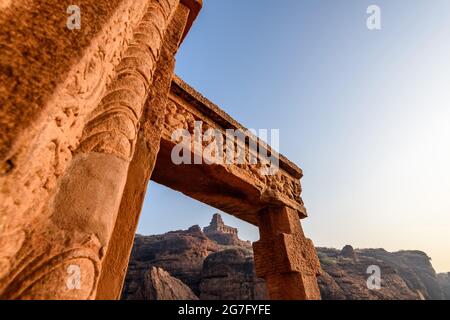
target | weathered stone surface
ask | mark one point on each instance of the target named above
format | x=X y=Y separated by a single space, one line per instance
x=48 y=69
x=414 y=267
x=69 y=115
x=345 y=278
x=191 y=256
x=348 y=252
x=404 y=274
x=160 y=285
x=230 y=275
x=284 y=257
x=444 y=283
x=50 y=81
x=181 y=253
x=142 y=164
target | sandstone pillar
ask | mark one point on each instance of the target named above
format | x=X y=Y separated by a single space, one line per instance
x=51 y=79
x=284 y=257
x=60 y=255
x=115 y=264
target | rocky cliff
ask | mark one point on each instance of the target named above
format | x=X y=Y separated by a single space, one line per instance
x=218 y=265
x=405 y=275
x=444 y=282
x=160 y=285
x=180 y=253
x=229 y=275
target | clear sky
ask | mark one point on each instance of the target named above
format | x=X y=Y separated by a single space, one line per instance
x=365 y=114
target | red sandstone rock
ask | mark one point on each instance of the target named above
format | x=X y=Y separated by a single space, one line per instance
x=444 y=283
x=160 y=285
x=181 y=253
x=229 y=273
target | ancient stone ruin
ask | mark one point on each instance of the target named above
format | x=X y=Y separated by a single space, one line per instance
x=87 y=117
x=223 y=234
x=217 y=225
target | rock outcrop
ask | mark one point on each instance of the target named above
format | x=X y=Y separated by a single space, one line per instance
x=180 y=253
x=230 y=275
x=345 y=275
x=160 y=285
x=444 y=283
x=348 y=252
x=214 y=268
x=415 y=269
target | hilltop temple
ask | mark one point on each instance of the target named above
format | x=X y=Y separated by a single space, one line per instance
x=217 y=225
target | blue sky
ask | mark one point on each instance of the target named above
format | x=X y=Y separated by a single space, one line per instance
x=364 y=113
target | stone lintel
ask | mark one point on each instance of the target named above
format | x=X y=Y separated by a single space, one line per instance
x=196 y=99
x=238 y=189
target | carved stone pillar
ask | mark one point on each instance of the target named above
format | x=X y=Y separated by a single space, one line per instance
x=51 y=79
x=284 y=257
x=115 y=264
x=60 y=257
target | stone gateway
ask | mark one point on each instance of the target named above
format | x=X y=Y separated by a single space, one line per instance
x=86 y=120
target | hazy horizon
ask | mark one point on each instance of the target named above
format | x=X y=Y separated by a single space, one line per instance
x=365 y=114
x=203 y=213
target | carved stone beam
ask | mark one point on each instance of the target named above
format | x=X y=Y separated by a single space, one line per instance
x=240 y=189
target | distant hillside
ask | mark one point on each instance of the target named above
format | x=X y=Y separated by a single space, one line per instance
x=216 y=264
x=444 y=282
x=404 y=274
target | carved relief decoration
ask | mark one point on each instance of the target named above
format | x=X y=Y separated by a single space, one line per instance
x=280 y=185
x=95 y=110
x=113 y=126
